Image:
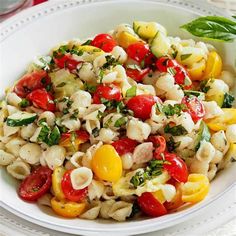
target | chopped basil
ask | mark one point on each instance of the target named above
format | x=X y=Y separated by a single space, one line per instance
x=101 y=75
x=48 y=136
x=61 y=85
x=110 y=62
x=135 y=209
x=108 y=123
x=75 y=114
x=228 y=100
x=100 y=114
x=95 y=132
x=41 y=121
x=120 y=122
x=131 y=92
x=153 y=169
x=172 y=145
x=76 y=51
x=204 y=87
x=212 y=27
x=24 y=103
x=88 y=42
x=121 y=108
x=185 y=56
x=199 y=95
x=90 y=88
x=170 y=110
x=48 y=87
x=175 y=130
x=175 y=51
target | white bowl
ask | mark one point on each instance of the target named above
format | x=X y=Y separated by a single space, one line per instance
x=34 y=31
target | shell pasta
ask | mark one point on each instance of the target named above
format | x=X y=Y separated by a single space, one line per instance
x=127 y=123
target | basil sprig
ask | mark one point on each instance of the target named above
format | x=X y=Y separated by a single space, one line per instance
x=212 y=27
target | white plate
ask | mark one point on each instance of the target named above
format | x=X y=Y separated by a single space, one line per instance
x=36 y=30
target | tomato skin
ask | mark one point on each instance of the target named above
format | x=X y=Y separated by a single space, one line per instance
x=104 y=42
x=124 y=145
x=70 y=193
x=164 y=63
x=177 y=167
x=138 y=51
x=150 y=205
x=36 y=184
x=137 y=75
x=80 y=134
x=112 y=92
x=42 y=99
x=66 y=61
x=141 y=105
x=194 y=107
x=31 y=81
x=159 y=143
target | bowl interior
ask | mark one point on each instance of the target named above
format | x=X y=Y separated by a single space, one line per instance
x=81 y=21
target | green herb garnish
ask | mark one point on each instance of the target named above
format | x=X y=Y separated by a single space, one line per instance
x=212 y=27
x=24 y=103
x=131 y=92
x=175 y=130
x=228 y=100
x=185 y=56
x=120 y=122
x=172 y=145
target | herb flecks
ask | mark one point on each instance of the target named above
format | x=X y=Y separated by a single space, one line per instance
x=228 y=100
x=170 y=110
x=175 y=130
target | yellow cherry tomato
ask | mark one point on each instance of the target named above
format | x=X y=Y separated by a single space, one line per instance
x=195 y=189
x=196 y=72
x=107 y=164
x=125 y=39
x=221 y=122
x=56 y=182
x=213 y=65
x=66 y=208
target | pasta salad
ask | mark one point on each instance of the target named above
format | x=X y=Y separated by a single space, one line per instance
x=128 y=123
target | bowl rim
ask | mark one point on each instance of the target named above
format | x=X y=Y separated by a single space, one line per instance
x=24 y=18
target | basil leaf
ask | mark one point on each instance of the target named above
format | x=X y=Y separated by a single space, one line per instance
x=185 y=56
x=121 y=121
x=88 y=42
x=54 y=136
x=170 y=110
x=95 y=132
x=175 y=130
x=212 y=27
x=228 y=100
x=131 y=92
x=24 y=103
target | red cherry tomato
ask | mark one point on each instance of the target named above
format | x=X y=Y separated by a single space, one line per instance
x=70 y=193
x=104 y=41
x=141 y=105
x=136 y=74
x=124 y=145
x=30 y=82
x=159 y=143
x=111 y=92
x=177 y=167
x=66 y=61
x=149 y=60
x=194 y=107
x=42 y=99
x=180 y=72
x=138 y=51
x=150 y=205
x=36 y=184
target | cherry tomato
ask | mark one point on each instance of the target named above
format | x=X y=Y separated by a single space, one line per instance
x=30 y=82
x=36 y=184
x=104 y=41
x=42 y=99
x=82 y=135
x=159 y=143
x=67 y=209
x=141 y=105
x=138 y=51
x=66 y=61
x=124 y=145
x=150 y=205
x=107 y=164
x=111 y=92
x=149 y=60
x=180 y=73
x=70 y=193
x=194 y=107
x=136 y=74
x=176 y=167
